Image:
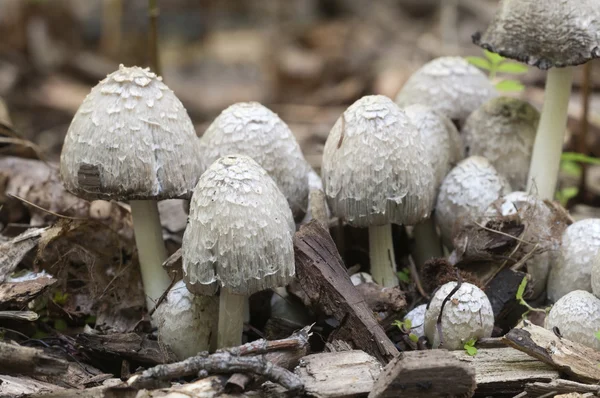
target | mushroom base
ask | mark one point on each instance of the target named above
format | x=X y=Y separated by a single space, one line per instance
x=231 y=319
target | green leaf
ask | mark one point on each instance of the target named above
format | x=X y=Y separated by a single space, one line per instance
x=413 y=337
x=509 y=85
x=407 y=324
x=60 y=325
x=579 y=157
x=470 y=347
x=597 y=334
x=60 y=298
x=513 y=68
x=571 y=168
x=404 y=275
x=565 y=194
x=521 y=289
x=494 y=58
x=479 y=62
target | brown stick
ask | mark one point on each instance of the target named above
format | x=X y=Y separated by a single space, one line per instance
x=16 y=359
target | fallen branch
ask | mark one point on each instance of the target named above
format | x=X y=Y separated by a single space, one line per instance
x=16 y=359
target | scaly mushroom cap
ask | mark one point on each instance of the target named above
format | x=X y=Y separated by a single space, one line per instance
x=466 y=193
x=572 y=267
x=443 y=142
x=240 y=230
x=449 y=85
x=503 y=131
x=416 y=316
x=131 y=138
x=546 y=34
x=577 y=316
x=375 y=171
x=251 y=129
x=467 y=315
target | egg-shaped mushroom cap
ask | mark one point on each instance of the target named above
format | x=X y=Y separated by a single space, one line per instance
x=443 y=144
x=546 y=34
x=466 y=193
x=375 y=171
x=467 y=315
x=577 y=316
x=503 y=131
x=449 y=85
x=240 y=230
x=416 y=316
x=251 y=129
x=571 y=268
x=131 y=138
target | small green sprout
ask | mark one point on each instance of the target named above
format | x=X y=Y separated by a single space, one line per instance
x=405 y=327
x=521 y=300
x=494 y=64
x=404 y=275
x=470 y=347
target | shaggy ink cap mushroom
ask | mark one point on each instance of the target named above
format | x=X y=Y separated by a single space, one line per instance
x=251 y=129
x=552 y=35
x=577 y=317
x=239 y=237
x=132 y=139
x=503 y=131
x=467 y=315
x=416 y=316
x=449 y=85
x=376 y=173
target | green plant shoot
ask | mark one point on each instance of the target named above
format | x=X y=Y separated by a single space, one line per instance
x=470 y=347
x=494 y=63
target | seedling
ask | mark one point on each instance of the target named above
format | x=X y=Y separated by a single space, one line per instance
x=404 y=275
x=470 y=347
x=494 y=64
x=521 y=300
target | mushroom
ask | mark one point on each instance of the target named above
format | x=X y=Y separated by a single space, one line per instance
x=445 y=149
x=239 y=237
x=596 y=276
x=187 y=322
x=577 y=317
x=503 y=131
x=132 y=139
x=251 y=129
x=552 y=35
x=375 y=173
x=466 y=315
x=466 y=193
x=416 y=316
x=4 y=115
x=572 y=267
x=449 y=85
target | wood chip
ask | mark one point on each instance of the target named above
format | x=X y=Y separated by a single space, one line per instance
x=561 y=386
x=13 y=251
x=16 y=359
x=15 y=295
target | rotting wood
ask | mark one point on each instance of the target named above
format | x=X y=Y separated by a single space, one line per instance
x=427 y=374
x=15 y=295
x=576 y=360
x=385 y=299
x=13 y=251
x=560 y=386
x=318 y=207
x=16 y=386
x=130 y=346
x=502 y=292
x=16 y=359
x=323 y=278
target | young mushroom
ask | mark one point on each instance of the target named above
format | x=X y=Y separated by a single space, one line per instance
x=449 y=85
x=416 y=316
x=239 y=238
x=577 y=317
x=503 y=131
x=553 y=35
x=132 y=139
x=376 y=173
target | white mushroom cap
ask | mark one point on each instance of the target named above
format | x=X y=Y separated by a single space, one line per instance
x=251 y=129
x=186 y=322
x=417 y=320
x=466 y=193
x=361 y=277
x=546 y=34
x=375 y=170
x=449 y=85
x=577 y=316
x=467 y=315
x=572 y=267
x=443 y=143
x=596 y=276
x=240 y=230
x=503 y=131
x=131 y=138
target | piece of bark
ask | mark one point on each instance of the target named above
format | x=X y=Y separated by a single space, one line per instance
x=16 y=295
x=318 y=207
x=576 y=360
x=19 y=315
x=427 y=374
x=384 y=299
x=112 y=388
x=16 y=359
x=131 y=346
x=173 y=265
x=504 y=371
x=13 y=250
x=323 y=277
x=560 y=386
x=338 y=374
x=502 y=292
x=18 y=386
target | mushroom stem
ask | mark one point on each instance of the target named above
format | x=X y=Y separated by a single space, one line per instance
x=151 y=249
x=545 y=160
x=231 y=319
x=381 y=249
x=427 y=242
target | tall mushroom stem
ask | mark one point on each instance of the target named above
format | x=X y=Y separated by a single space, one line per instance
x=381 y=251
x=545 y=160
x=427 y=242
x=231 y=319
x=151 y=249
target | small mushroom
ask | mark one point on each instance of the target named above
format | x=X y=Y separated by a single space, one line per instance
x=449 y=85
x=416 y=316
x=577 y=317
x=552 y=35
x=132 y=139
x=572 y=267
x=466 y=315
x=375 y=173
x=239 y=238
x=503 y=131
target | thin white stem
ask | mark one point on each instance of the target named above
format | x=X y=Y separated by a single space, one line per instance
x=381 y=251
x=151 y=249
x=427 y=242
x=231 y=319
x=545 y=161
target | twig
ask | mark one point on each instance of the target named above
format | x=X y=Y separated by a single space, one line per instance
x=415 y=276
x=296 y=341
x=502 y=233
x=19 y=315
x=438 y=324
x=162 y=296
x=46 y=210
